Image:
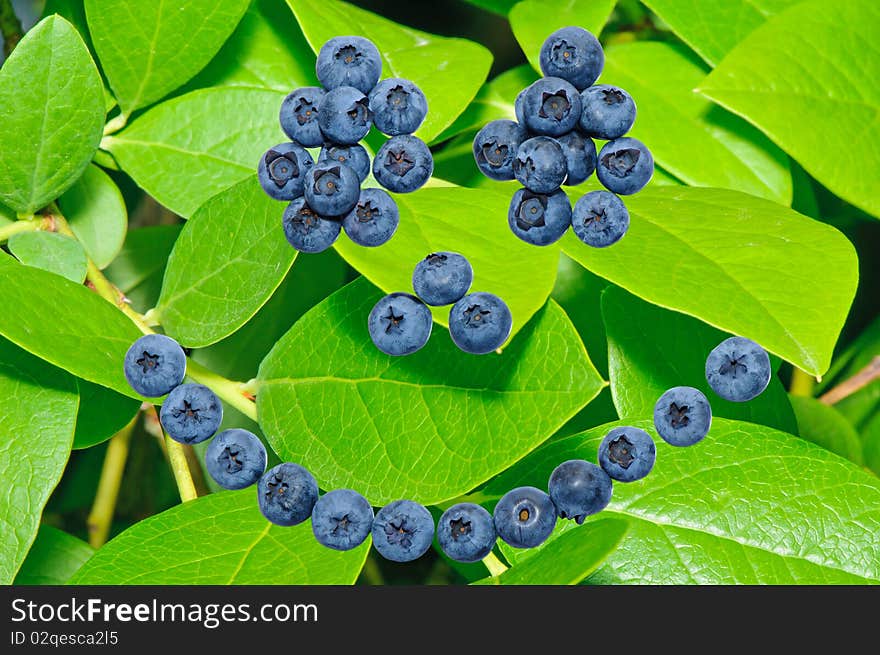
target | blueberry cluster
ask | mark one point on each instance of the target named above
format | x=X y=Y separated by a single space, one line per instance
x=325 y=197
x=479 y=322
x=551 y=145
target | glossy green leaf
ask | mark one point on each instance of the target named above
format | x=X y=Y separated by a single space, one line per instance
x=211 y=139
x=764 y=80
x=448 y=71
x=96 y=212
x=53 y=115
x=220 y=539
x=651 y=349
x=228 y=260
x=827 y=427
x=102 y=413
x=54 y=557
x=165 y=43
x=37 y=411
x=140 y=265
x=429 y=426
x=746 y=505
x=715 y=254
x=500 y=7
x=51 y=252
x=871 y=444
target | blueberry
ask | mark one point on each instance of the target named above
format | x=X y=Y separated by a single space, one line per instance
x=191 y=413
x=299 y=116
x=738 y=369
x=332 y=189
x=540 y=164
x=551 y=106
x=525 y=517
x=400 y=324
x=495 y=148
x=682 y=416
x=442 y=278
x=349 y=61
x=398 y=106
x=538 y=218
x=573 y=54
x=480 y=323
x=235 y=459
x=599 y=219
x=306 y=230
x=627 y=454
x=403 y=164
x=154 y=365
x=403 y=531
x=518 y=109
x=373 y=220
x=608 y=112
x=354 y=156
x=579 y=489
x=466 y=532
x=344 y=115
x=625 y=165
x=342 y=519
x=282 y=169
x=286 y=494
x=580 y=157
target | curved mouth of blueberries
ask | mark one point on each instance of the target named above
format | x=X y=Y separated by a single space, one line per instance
x=460 y=528
x=398 y=533
x=398 y=98
x=436 y=259
x=229 y=459
x=495 y=153
x=734 y=365
x=620 y=452
x=348 y=54
x=476 y=316
x=524 y=513
x=555 y=105
x=305 y=112
x=594 y=218
x=562 y=53
x=305 y=219
x=530 y=212
x=359 y=112
x=341 y=524
x=622 y=162
x=280 y=167
x=613 y=96
x=366 y=212
x=188 y=412
x=524 y=164
x=394 y=321
x=276 y=487
x=327 y=181
x=399 y=162
x=148 y=362
x=678 y=416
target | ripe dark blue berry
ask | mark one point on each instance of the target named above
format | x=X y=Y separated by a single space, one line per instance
x=403 y=164
x=608 y=112
x=551 y=106
x=538 y=218
x=332 y=189
x=524 y=517
x=480 y=323
x=682 y=416
x=600 y=219
x=625 y=166
x=342 y=519
x=540 y=164
x=299 y=116
x=191 y=414
x=282 y=169
x=402 y=531
x=400 y=324
x=580 y=157
x=355 y=156
x=495 y=147
x=627 y=454
x=466 y=532
x=573 y=54
x=286 y=494
x=442 y=278
x=579 y=489
x=344 y=115
x=398 y=106
x=738 y=369
x=306 y=230
x=235 y=458
x=349 y=61
x=373 y=220
x=154 y=365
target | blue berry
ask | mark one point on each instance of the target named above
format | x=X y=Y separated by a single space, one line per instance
x=466 y=532
x=403 y=164
x=625 y=166
x=299 y=116
x=235 y=459
x=538 y=218
x=286 y=494
x=580 y=157
x=599 y=219
x=442 y=278
x=518 y=109
x=540 y=164
x=579 y=489
x=373 y=220
x=573 y=54
x=349 y=61
x=608 y=112
x=551 y=106
x=398 y=106
x=342 y=519
x=682 y=416
x=355 y=156
x=191 y=413
x=306 y=230
x=480 y=323
x=402 y=531
x=738 y=369
x=400 y=324
x=627 y=454
x=282 y=169
x=154 y=365
x=525 y=517
x=495 y=148
x=332 y=189
x=344 y=115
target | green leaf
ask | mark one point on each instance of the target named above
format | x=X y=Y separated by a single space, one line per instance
x=66 y=324
x=164 y=43
x=37 y=411
x=746 y=505
x=429 y=426
x=745 y=265
x=764 y=80
x=651 y=349
x=827 y=427
x=871 y=443
x=448 y=71
x=500 y=7
x=211 y=139
x=51 y=252
x=220 y=539
x=138 y=269
x=228 y=260
x=54 y=557
x=102 y=413
x=96 y=212
x=53 y=115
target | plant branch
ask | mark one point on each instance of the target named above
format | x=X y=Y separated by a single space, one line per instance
x=104 y=507
x=234 y=393
x=495 y=566
x=858 y=381
x=10 y=26
x=180 y=468
x=801 y=383
x=26 y=225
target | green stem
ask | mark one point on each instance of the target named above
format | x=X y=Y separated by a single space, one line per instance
x=801 y=383
x=180 y=468
x=101 y=516
x=27 y=225
x=495 y=566
x=115 y=124
x=10 y=26
x=225 y=388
